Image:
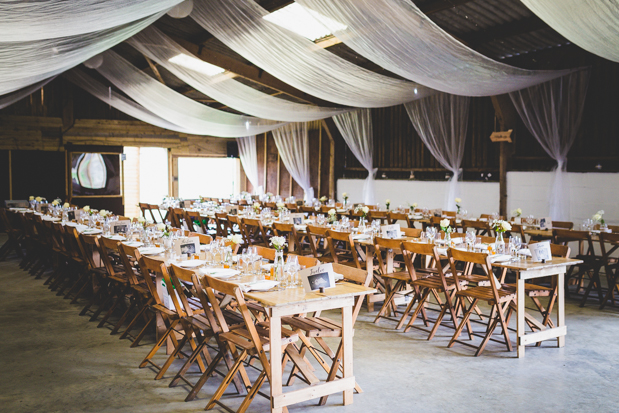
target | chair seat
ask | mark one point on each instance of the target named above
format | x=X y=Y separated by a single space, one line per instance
x=485 y=293
x=480 y=280
x=531 y=290
x=315 y=326
x=241 y=338
x=400 y=275
x=434 y=282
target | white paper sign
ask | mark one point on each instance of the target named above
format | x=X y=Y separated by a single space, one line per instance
x=187 y=246
x=540 y=251
x=315 y=278
x=232 y=209
x=120 y=227
x=545 y=223
x=297 y=218
x=390 y=231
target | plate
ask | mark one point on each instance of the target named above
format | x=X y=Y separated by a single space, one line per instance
x=151 y=250
x=116 y=237
x=134 y=244
x=263 y=285
x=91 y=231
x=191 y=263
x=267 y=267
x=360 y=237
x=219 y=272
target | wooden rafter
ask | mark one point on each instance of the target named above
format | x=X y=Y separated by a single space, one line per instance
x=153 y=67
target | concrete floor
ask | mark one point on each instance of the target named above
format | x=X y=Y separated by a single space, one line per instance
x=52 y=360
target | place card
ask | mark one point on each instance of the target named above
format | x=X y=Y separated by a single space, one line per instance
x=390 y=231
x=43 y=208
x=315 y=278
x=187 y=204
x=187 y=246
x=70 y=215
x=297 y=218
x=545 y=223
x=120 y=227
x=232 y=209
x=540 y=251
x=518 y=220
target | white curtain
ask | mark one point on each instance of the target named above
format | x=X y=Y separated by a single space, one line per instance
x=590 y=24
x=249 y=159
x=552 y=113
x=24 y=21
x=298 y=61
x=356 y=129
x=223 y=87
x=175 y=107
x=78 y=77
x=292 y=141
x=11 y=98
x=25 y=63
x=441 y=121
x=396 y=35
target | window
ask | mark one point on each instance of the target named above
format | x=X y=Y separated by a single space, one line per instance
x=146 y=178
x=208 y=177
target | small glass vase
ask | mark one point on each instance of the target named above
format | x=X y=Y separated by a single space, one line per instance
x=362 y=225
x=499 y=243
x=448 y=240
x=278 y=269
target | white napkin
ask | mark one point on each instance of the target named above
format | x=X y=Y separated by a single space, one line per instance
x=360 y=236
x=500 y=258
x=262 y=285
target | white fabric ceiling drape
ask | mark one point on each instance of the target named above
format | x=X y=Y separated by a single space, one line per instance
x=222 y=87
x=11 y=98
x=590 y=24
x=441 y=121
x=292 y=58
x=176 y=108
x=249 y=159
x=356 y=129
x=23 y=21
x=396 y=35
x=78 y=77
x=292 y=141
x=25 y=63
x=552 y=113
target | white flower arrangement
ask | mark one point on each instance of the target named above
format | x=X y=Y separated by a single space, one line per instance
x=413 y=206
x=445 y=225
x=458 y=201
x=501 y=226
x=278 y=243
x=281 y=207
x=66 y=205
x=363 y=209
x=86 y=208
x=141 y=220
x=387 y=203
x=256 y=206
x=104 y=214
x=517 y=212
x=39 y=199
x=31 y=198
x=236 y=239
x=323 y=199
x=599 y=216
x=161 y=227
x=331 y=211
x=55 y=202
x=345 y=195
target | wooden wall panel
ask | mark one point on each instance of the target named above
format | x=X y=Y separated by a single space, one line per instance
x=325 y=153
x=38 y=173
x=284 y=180
x=314 y=155
x=271 y=165
x=4 y=176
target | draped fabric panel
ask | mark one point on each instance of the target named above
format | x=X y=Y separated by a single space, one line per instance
x=298 y=61
x=11 y=98
x=292 y=141
x=222 y=87
x=176 y=108
x=396 y=35
x=80 y=78
x=441 y=121
x=590 y=24
x=249 y=159
x=356 y=129
x=552 y=112
x=25 y=63
x=25 y=21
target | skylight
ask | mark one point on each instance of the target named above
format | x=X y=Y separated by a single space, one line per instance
x=195 y=64
x=308 y=23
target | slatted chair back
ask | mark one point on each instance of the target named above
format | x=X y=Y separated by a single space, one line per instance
x=236 y=220
x=342 y=247
x=204 y=239
x=194 y=223
x=255 y=232
x=517 y=229
x=264 y=252
x=146 y=211
x=71 y=242
x=386 y=245
x=306 y=209
x=412 y=232
x=291 y=207
x=562 y=224
x=436 y=221
x=611 y=264
x=473 y=260
x=394 y=217
x=451 y=214
x=127 y=254
x=294 y=238
x=58 y=234
x=381 y=216
x=88 y=246
x=105 y=247
x=179 y=217
x=318 y=241
x=175 y=291
x=565 y=236
x=150 y=267
x=489 y=217
x=221 y=221
x=480 y=227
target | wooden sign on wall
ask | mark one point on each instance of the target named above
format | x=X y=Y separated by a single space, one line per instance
x=505 y=136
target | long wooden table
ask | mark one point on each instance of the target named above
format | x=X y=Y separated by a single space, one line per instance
x=528 y=270
x=294 y=301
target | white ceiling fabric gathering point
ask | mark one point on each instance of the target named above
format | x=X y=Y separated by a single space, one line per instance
x=590 y=24
x=298 y=61
x=292 y=141
x=248 y=153
x=181 y=10
x=222 y=87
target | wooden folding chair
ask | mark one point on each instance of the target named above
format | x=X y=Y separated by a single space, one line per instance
x=317 y=236
x=306 y=261
x=434 y=281
x=480 y=227
x=255 y=234
x=609 y=243
x=497 y=297
x=342 y=248
x=394 y=217
x=14 y=235
x=221 y=224
x=317 y=327
x=242 y=342
x=381 y=216
x=194 y=222
x=562 y=224
x=451 y=214
x=204 y=238
x=297 y=243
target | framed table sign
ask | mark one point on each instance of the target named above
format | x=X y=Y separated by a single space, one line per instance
x=390 y=231
x=540 y=251
x=70 y=215
x=187 y=246
x=315 y=278
x=545 y=223
x=120 y=227
x=297 y=218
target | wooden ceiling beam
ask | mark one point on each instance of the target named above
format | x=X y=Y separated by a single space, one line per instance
x=440 y=5
x=253 y=73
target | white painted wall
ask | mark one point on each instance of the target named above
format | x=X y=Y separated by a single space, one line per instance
x=589 y=192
